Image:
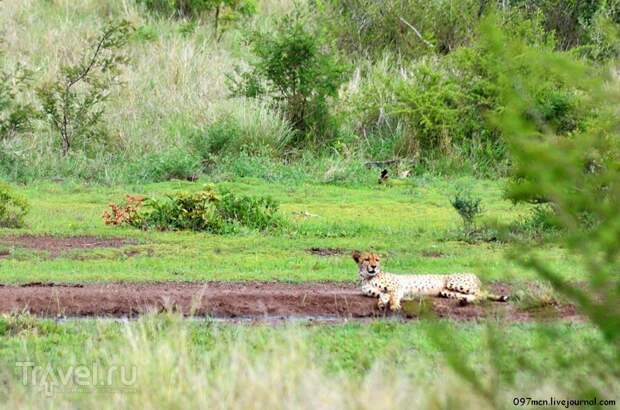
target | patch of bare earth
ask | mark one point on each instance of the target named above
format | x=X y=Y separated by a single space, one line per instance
x=254 y=300
x=327 y=251
x=432 y=254
x=58 y=245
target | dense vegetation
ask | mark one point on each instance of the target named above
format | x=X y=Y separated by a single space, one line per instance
x=162 y=89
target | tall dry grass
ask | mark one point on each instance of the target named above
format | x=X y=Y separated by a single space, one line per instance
x=170 y=75
x=175 y=80
x=233 y=374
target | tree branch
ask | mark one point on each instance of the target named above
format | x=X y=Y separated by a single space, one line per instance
x=93 y=60
x=417 y=33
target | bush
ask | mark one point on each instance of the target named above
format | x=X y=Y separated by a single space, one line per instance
x=429 y=102
x=571 y=21
x=73 y=103
x=297 y=71
x=125 y=213
x=209 y=210
x=603 y=34
x=260 y=213
x=432 y=112
x=15 y=114
x=13 y=208
x=469 y=209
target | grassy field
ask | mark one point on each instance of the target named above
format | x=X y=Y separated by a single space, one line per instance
x=413 y=225
x=181 y=363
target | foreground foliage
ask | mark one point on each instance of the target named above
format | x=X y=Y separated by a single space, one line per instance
x=172 y=363
x=578 y=175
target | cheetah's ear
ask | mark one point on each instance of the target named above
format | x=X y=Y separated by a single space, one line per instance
x=356 y=256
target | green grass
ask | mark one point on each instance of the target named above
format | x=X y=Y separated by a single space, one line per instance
x=183 y=364
x=350 y=347
x=411 y=225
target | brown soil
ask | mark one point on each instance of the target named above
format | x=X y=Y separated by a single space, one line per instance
x=255 y=300
x=327 y=251
x=432 y=254
x=57 y=245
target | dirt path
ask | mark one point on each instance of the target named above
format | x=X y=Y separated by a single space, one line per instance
x=256 y=300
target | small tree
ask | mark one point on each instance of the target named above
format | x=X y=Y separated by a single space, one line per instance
x=297 y=70
x=469 y=209
x=73 y=103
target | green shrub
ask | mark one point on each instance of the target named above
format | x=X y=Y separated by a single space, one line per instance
x=437 y=108
x=429 y=102
x=260 y=213
x=13 y=208
x=210 y=210
x=603 y=34
x=15 y=114
x=432 y=111
x=297 y=71
x=182 y=211
x=469 y=209
x=73 y=104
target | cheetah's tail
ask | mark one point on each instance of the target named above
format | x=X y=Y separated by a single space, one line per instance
x=497 y=298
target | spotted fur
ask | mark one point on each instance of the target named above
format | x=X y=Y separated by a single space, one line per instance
x=390 y=289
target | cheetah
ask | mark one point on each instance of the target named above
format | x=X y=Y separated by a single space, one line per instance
x=391 y=289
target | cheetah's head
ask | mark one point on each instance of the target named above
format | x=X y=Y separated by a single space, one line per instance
x=368 y=263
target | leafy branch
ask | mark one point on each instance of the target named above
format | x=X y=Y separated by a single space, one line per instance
x=72 y=104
